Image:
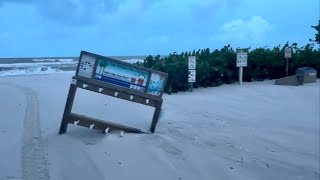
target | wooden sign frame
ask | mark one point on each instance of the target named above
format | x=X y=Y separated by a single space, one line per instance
x=91 y=83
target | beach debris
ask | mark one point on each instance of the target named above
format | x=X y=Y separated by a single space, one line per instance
x=91 y=126
x=115 y=94
x=131 y=97
x=121 y=133
x=76 y=122
x=85 y=85
x=147 y=101
x=107 y=130
x=100 y=89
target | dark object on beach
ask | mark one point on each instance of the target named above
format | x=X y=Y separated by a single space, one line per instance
x=303 y=75
x=307 y=75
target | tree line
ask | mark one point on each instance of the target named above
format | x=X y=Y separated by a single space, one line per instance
x=217 y=67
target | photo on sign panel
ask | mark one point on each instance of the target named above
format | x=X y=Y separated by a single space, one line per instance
x=156 y=84
x=86 y=66
x=121 y=75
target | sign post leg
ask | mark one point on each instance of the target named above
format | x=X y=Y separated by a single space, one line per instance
x=191 y=86
x=287 y=67
x=67 y=109
x=240 y=75
x=156 y=116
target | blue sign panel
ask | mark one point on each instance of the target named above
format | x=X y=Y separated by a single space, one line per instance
x=121 y=75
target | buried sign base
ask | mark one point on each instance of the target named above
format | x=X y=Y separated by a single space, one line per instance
x=103 y=126
x=148 y=93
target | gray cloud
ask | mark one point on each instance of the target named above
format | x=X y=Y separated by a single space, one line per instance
x=76 y=12
x=79 y=12
x=71 y=12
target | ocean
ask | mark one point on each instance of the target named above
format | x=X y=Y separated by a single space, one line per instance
x=48 y=65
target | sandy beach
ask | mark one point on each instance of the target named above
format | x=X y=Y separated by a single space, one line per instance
x=256 y=131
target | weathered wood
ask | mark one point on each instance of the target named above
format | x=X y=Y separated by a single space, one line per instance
x=121 y=94
x=101 y=125
x=101 y=83
x=119 y=62
x=68 y=108
x=98 y=86
x=156 y=116
x=117 y=88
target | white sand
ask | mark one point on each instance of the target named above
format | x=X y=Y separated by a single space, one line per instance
x=254 y=131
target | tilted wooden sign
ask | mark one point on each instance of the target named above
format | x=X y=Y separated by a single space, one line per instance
x=118 y=79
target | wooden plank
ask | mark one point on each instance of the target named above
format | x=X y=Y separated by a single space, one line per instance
x=67 y=109
x=101 y=125
x=164 y=85
x=115 y=87
x=123 y=63
x=109 y=89
x=155 y=117
x=149 y=70
x=121 y=94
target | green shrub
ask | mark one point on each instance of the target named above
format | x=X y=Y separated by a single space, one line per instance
x=219 y=66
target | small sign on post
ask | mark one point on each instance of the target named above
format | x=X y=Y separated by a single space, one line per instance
x=192 y=70
x=192 y=62
x=192 y=76
x=287 y=55
x=287 y=52
x=242 y=60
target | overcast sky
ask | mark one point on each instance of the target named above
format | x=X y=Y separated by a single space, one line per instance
x=142 y=27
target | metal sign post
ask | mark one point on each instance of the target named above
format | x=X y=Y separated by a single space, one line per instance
x=192 y=71
x=287 y=55
x=242 y=59
x=240 y=74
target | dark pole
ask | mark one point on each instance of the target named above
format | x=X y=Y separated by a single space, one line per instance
x=68 y=108
x=287 y=67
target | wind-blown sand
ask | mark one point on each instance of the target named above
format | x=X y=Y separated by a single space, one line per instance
x=254 y=131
